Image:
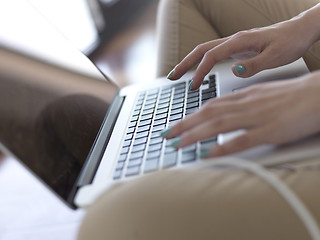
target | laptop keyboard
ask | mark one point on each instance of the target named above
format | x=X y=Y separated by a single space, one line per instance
x=143 y=149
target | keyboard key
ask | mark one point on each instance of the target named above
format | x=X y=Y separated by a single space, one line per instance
x=163 y=105
x=117 y=174
x=152 y=105
x=152 y=96
x=174 y=121
x=136 y=113
x=138 y=106
x=178 y=96
x=212 y=84
x=140 y=141
x=179 y=86
x=141 y=95
x=177 y=105
x=120 y=165
x=155 y=147
x=176 y=111
x=208 y=143
x=156 y=140
x=141 y=134
x=143 y=129
x=154 y=154
x=170 y=159
x=133 y=171
x=178 y=100
x=131 y=130
x=212 y=77
x=205 y=82
x=192 y=105
x=140 y=101
x=175 y=117
x=134 y=118
x=147 y=103
x=146 y=116
x=122 y=158
x=132 y=124
x=209 y=90
x=190 y=148
x=188 y=157
x=136 y=155
x=191 y=110
x=145 y=122
x=128 y=136
x=164 y=101
x=165 y=96
x=162 y=110
x=158 y=128
x=178 y=91
x=193 y=94
x=208 y=95
x=147 y=111
x=192 y=99
x=134 y=163
x=166 y=90
x=138 y=148
x=151 y=165
x=126 y=143
x=162 y=115
x=160 y=122
x=169 y=149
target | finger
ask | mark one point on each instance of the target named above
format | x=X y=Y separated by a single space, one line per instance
x=250 y=67
x=209 y=112
x=193 y=58
x=211 y=128
x=217 y=54
x=245 y=141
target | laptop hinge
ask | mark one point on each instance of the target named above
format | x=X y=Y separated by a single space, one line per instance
x=101 y=142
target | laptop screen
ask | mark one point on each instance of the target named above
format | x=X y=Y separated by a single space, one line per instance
x=51 y=109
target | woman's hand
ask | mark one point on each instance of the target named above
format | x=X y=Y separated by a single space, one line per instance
x=268 y=47
x=271 y=113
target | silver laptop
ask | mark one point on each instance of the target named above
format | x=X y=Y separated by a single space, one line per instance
x=129 y=144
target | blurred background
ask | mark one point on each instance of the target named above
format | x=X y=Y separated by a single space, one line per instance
x=118 y=36
x=110 y=32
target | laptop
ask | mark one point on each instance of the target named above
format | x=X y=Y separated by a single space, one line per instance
x=128 y=144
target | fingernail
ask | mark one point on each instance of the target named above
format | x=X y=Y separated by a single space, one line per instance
x=190 y=85
x=239 y=69
x=170 y=74
x=165 y=132
x=176 y=142
x=204 y=153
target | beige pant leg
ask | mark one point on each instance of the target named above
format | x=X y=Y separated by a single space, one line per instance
x=204 y=204
x=183 y=24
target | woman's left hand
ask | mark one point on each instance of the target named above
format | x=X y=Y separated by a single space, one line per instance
x=271 y=113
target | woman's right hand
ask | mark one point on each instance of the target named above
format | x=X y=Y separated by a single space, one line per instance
x=274 y=46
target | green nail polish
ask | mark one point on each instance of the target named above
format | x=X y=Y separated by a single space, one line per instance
x=170 y=74
x=239 y=69
x=204 y=153
x=176 y=142
x=165 y=132
x=190 y=85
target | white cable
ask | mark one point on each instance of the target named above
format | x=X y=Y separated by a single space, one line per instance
x=291 y=198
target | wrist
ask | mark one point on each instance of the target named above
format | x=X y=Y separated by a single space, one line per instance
x=310 y=21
